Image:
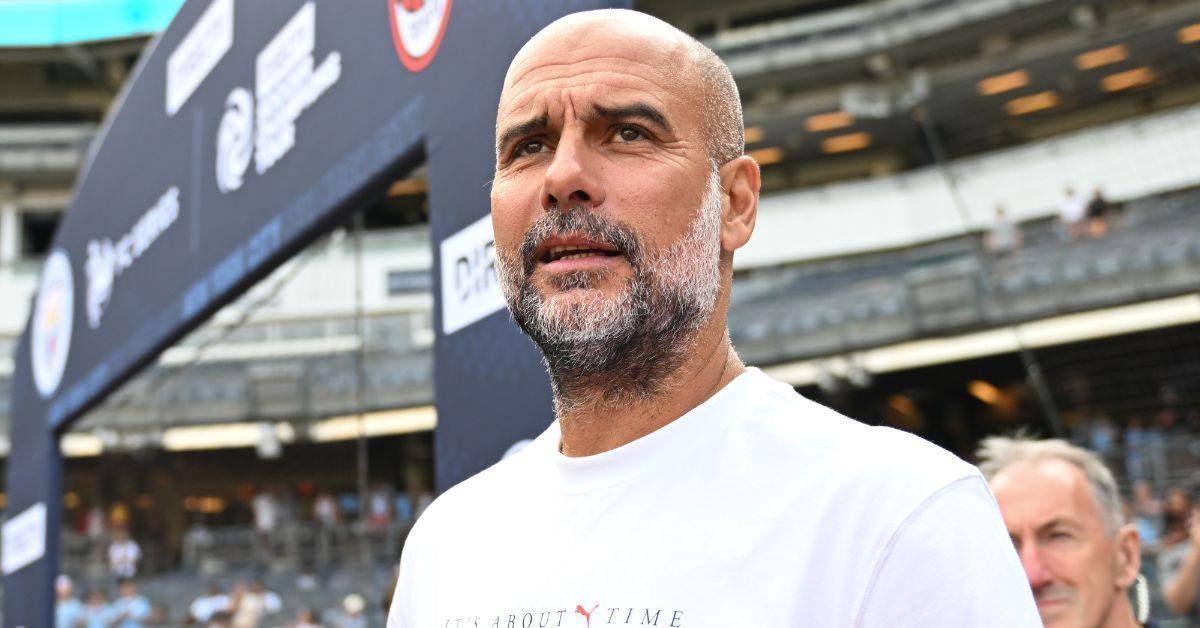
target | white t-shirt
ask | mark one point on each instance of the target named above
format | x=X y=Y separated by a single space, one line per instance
x=205 y=606
x=264 y=512
x=1073 y=209
x=123 y=557
x=757 y=508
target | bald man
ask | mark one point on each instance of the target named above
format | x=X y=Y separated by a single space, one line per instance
x=677 y=487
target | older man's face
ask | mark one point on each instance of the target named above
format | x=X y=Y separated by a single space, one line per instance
x=604 y=191
x=1070 y=559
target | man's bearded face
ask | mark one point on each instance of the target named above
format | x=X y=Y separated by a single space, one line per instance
x=585 y=331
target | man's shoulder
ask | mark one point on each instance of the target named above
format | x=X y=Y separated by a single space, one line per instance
x=803 y=433
x=496 y=486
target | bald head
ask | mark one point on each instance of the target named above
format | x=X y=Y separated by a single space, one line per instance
x=699 y=73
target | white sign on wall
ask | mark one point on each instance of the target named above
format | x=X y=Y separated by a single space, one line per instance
x=470 y=289
x=25 y=538
x=198 y=53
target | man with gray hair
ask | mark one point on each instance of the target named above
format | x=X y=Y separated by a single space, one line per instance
x=1063 y=512
x=677 y=487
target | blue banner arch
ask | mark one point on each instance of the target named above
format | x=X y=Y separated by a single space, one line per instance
x=249 y=129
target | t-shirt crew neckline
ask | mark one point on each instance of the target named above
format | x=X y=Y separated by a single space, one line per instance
x=583 y=474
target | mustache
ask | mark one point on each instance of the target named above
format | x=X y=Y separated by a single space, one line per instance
x=579 y=220
x=1053 y=592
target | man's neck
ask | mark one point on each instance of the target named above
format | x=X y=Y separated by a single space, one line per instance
x=1121 y=613
x=602 y=423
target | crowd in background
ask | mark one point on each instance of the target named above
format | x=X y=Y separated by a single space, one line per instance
x=1080 y=217
x=1154 y=455
x=270 y=519
x=243 y=605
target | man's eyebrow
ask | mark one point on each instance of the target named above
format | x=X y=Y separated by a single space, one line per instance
x=633 y=110
x=1058 y=521
x=525 y=128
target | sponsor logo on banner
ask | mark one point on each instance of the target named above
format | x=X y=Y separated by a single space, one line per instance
x=106 y=260
x=24 y=538
x=235 y=139
x=53 y=317
x=287 y=82
x=198 y=53
x=470 y=289
x=417 y=29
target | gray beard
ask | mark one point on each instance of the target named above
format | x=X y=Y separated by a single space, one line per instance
x=625 y=347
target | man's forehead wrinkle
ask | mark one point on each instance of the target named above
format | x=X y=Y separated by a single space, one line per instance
x=613 y=87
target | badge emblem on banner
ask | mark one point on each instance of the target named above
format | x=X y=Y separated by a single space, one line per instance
x=53 y=316
x=417 y=29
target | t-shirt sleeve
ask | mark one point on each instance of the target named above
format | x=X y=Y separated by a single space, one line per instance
x=950 y=563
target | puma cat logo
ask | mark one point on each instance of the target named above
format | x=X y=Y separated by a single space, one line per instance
x=586 y=614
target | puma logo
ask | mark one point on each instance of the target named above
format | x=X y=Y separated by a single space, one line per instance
x=586 y=614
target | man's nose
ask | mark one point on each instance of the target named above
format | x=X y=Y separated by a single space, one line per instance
x=1036 y=570
x=572 y=177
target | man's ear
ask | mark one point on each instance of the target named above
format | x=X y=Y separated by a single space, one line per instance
x=740 y=181
x=1128 y=548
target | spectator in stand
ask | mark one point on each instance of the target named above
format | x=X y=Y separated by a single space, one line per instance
x=404 y=507
x=304 y=619
x=1062 y=509
x=354 y=612
x=1095 y=431
x=1072 y=214
x=348 y=504
x=325 y=510
x=160 y=615
x=1176 y=510
x=95 y=530
x=68 y=610
x=98 y=613
x=247 y=606
x=1146 y=528
x=266 y=516
x=380 y=506
x=204 y=607
x=130 y=609
x=326 y=513
x=123 y=555
x=1181 y=580
x=272 y=603
x=1147 y=511
x=1145 y=451
x=1099 y=215
x=307 y=580
x=1004 y=237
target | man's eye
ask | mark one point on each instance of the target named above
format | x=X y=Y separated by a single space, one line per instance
x=630 y=134
x=1060 y=535
x=530 y=147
